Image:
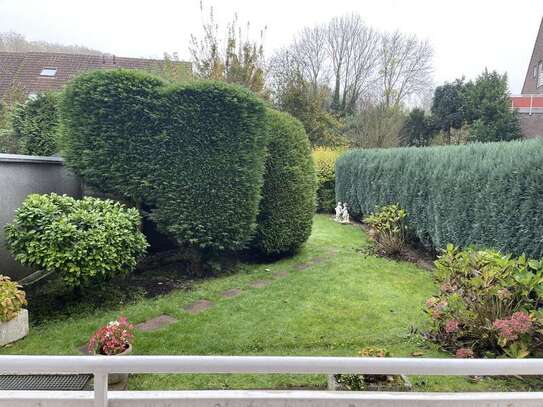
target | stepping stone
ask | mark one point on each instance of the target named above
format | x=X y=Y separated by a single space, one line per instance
x=260 y=283
x=303 y=266
x=318 y=260
x=156 y=323
x=280 y=274
x=198 y=306
x=231 y=293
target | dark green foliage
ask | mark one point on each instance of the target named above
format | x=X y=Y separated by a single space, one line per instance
x=36 y=125
x=80 y=240
x=194 y=152
x=288 y=196
x=488 y=109
x=483 y=194
x=448 y=107
x=416 y=130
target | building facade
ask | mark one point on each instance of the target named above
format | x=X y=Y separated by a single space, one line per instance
x=530 y=103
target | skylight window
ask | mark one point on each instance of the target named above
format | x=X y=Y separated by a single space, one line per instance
x=48 y=72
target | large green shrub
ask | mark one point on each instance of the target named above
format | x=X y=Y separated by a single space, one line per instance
x=36 y=124
x=288 y=196
x=78 y=239
x=482 y=194
x=193 y=152
x=489 y=304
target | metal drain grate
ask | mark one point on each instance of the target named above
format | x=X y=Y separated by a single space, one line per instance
x=65 y=382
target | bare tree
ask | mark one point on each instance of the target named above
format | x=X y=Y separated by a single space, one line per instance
x=404 y=67
x=233 y=58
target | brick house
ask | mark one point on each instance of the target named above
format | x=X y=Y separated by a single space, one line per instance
x=530 y=102
x=34 y=72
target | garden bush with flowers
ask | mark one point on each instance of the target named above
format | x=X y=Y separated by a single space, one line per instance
x=489 y=304
x=113 y=338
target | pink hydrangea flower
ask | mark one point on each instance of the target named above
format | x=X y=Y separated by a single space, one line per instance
x=510 y=328
x=446 y=288
x=452 y=326
x=464 y=353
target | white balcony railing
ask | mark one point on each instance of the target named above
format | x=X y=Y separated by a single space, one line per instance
x=101 y=366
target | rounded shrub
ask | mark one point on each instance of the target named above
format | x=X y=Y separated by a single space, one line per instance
x=194 y=153
x=36 y=125
x=288 y=195
x=79 y=239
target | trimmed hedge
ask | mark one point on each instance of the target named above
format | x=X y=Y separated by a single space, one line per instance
x=325 y=167
x=488 y=195
x=193 y=152
x=288 y=196
x=36 y=125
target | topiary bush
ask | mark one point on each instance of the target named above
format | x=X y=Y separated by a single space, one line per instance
x=487 y=195
x=80 y=240
x=12 y=299
x=288 y=195
x=325 y=167
x=193 y=152
x=36 y=125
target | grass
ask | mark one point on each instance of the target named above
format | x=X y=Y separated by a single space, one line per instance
x=342 y=302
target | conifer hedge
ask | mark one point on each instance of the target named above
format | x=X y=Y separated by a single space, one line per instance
x=487 y=195
x=194 y=152
x=288 y=195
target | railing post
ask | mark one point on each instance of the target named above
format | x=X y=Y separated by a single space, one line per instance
x=100 y=389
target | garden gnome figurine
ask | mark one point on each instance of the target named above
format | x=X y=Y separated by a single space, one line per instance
x=345 y=214
x=339 y=212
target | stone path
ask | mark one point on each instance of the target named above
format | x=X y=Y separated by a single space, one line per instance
x=198 y=306
x=260 y=283
x=231 y=293
x=156 y=323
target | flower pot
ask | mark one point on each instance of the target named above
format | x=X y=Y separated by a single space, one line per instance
x=398 y=383
x=14 y=329
x=118 y=381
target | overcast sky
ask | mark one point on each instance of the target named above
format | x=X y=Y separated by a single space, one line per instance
x=467 y=35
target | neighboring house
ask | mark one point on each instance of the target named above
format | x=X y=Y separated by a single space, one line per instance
x=34 y=72
x=530 y=102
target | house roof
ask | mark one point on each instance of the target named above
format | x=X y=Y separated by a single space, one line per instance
x=530 y=83
x=23 y=70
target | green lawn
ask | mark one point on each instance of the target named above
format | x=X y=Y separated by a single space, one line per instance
x=341 y=302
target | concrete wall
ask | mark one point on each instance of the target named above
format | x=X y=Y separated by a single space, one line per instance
x=531 y=125
x=21 y=175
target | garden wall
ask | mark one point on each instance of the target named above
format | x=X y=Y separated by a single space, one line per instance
x=21 y=175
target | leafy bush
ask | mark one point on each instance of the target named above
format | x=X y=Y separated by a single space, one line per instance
x=12 y=299
x=325 y=166
x=36 y=124
x=388 y=226
x=488 y=305
x=488 y=195
x=194 y=152
x=288 y=195
x=79 y=239
x=359 y=382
